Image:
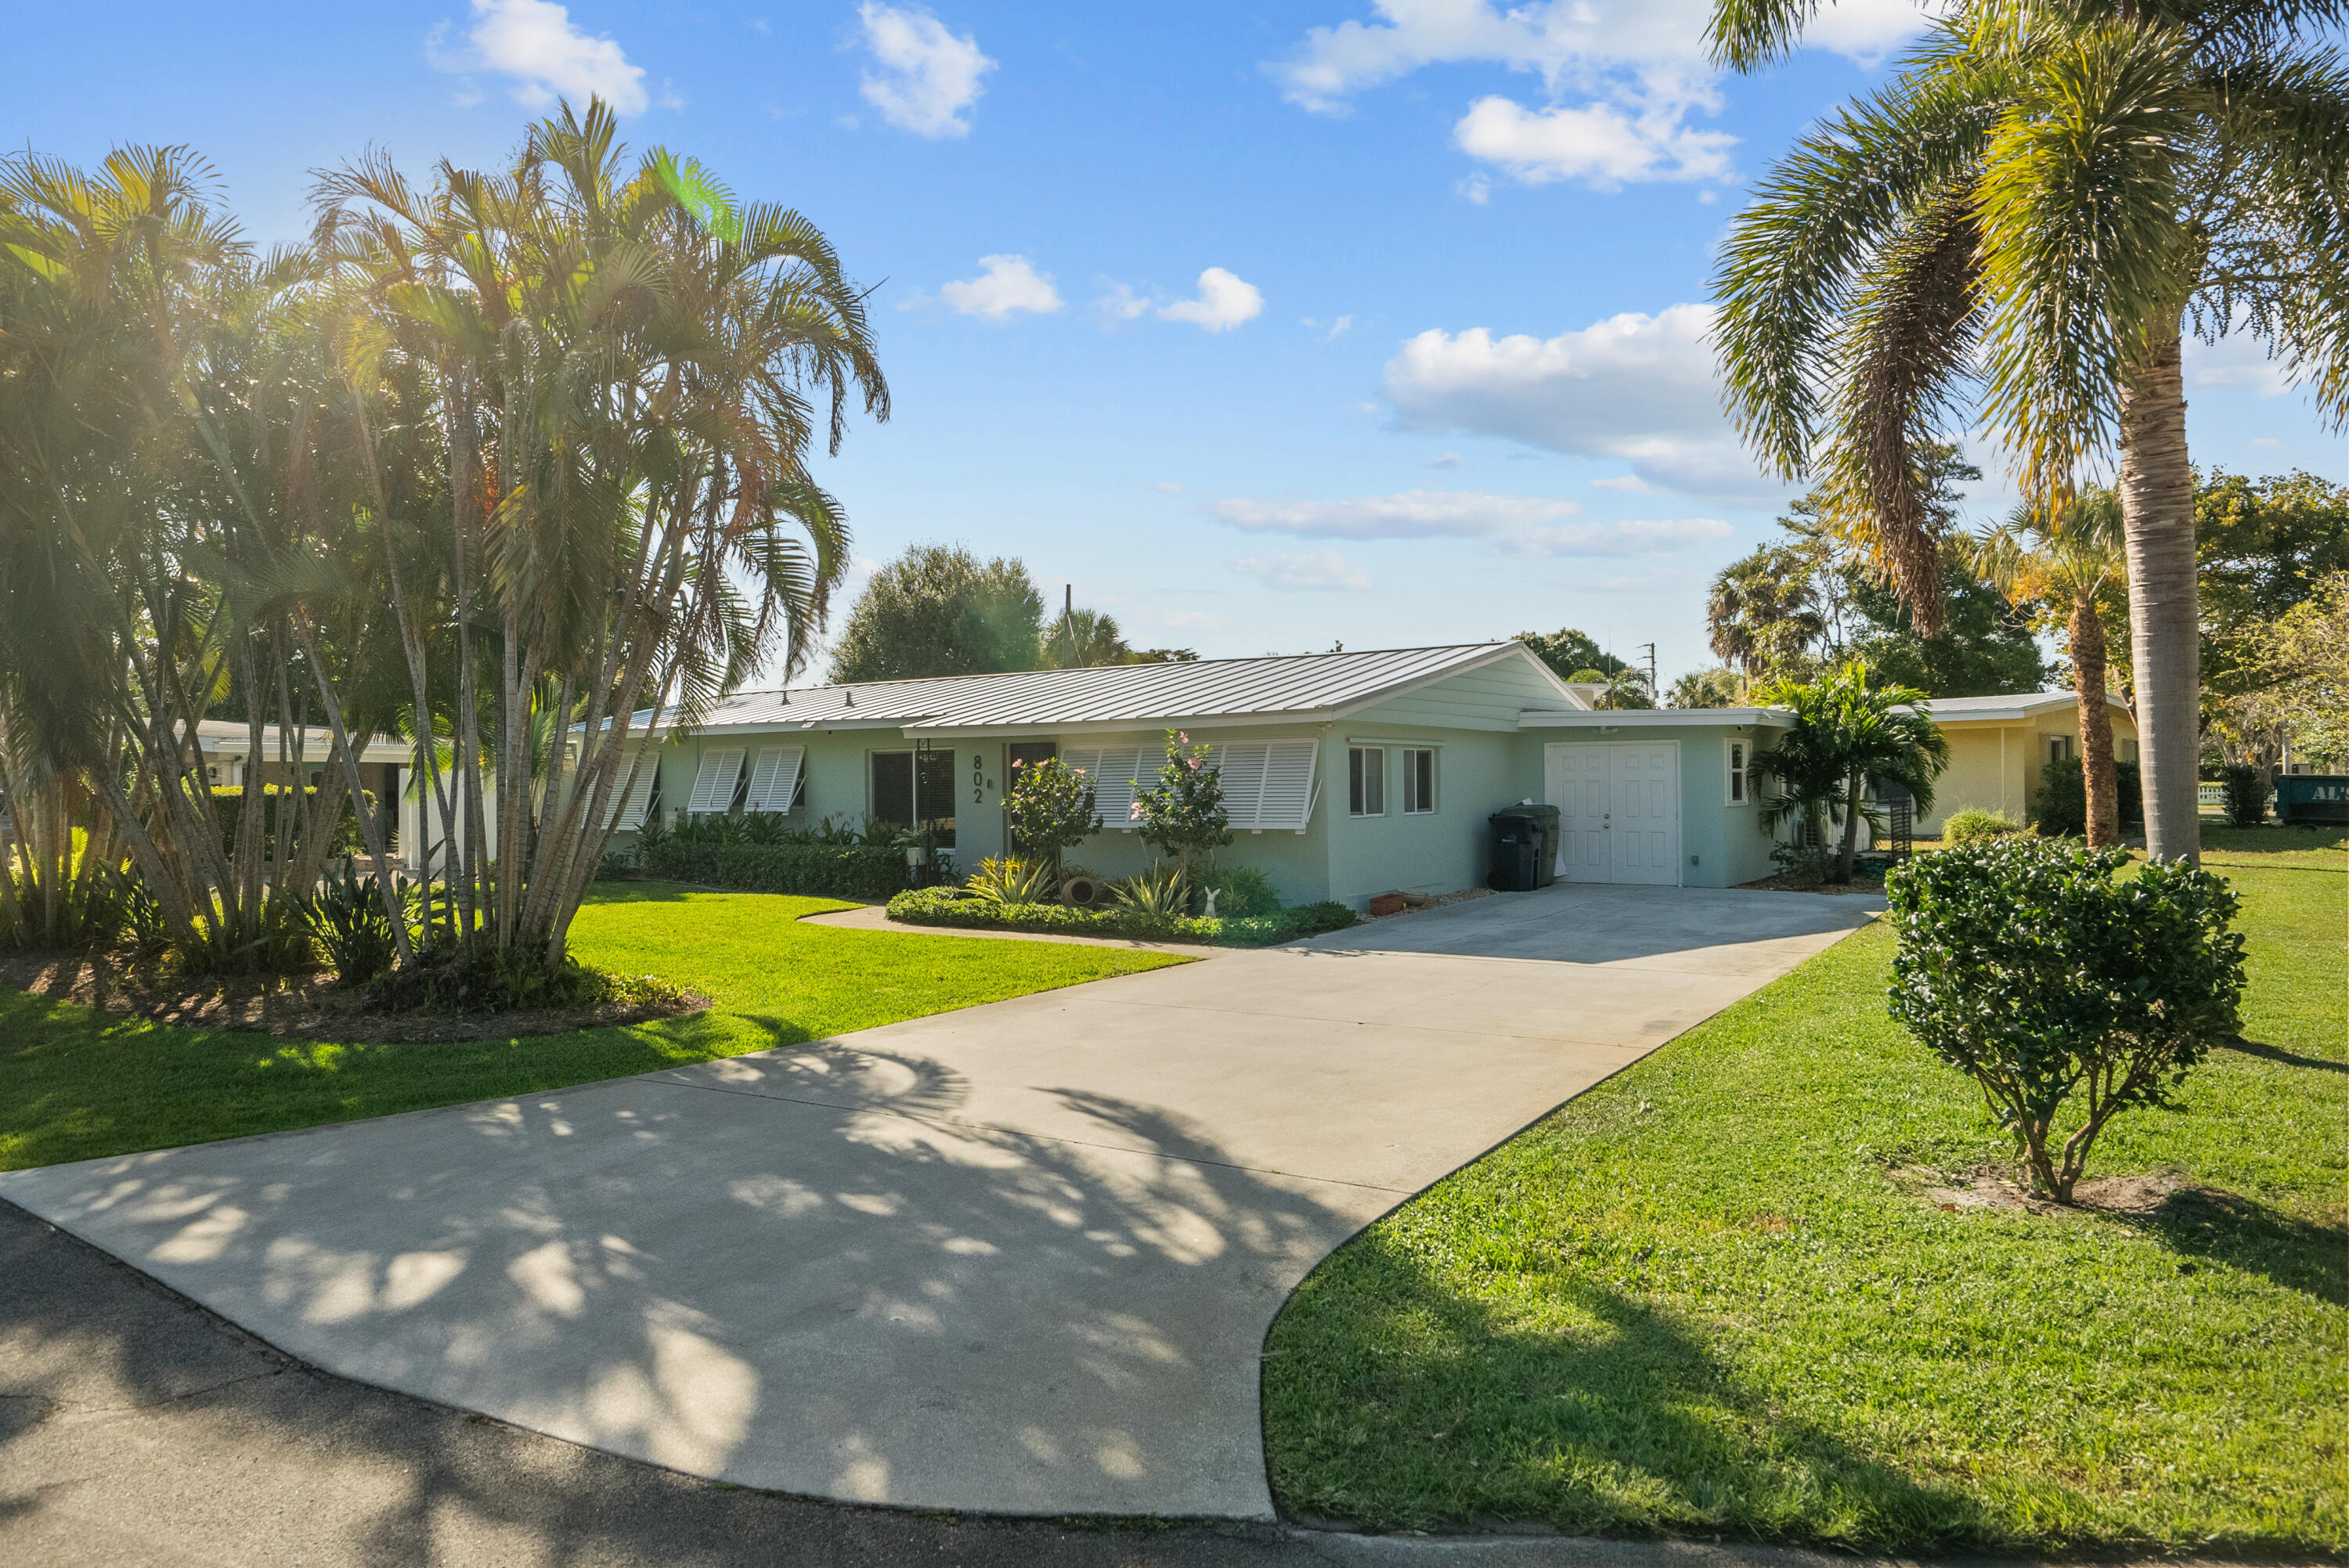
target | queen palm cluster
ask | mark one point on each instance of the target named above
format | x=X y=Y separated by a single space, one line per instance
x=2017 y=230
x=503 y=462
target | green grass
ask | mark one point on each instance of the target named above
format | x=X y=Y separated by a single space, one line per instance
x=1693 y=1301
x=2306 y=849
x=75 y=1083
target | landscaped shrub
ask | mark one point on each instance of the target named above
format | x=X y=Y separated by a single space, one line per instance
x=1162 y=892
x=2028 y=966
x=1975 y=825
x=954 y=907
x=347 y=915
x=867 y=875
x=1183 y=814
x=1050 y=807
x=1010 y=879
x=1243 y=892
x=508 y=980
x=2248 y=788
x=2061 y=803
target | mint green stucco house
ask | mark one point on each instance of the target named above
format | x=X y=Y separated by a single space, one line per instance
x=1347 y=775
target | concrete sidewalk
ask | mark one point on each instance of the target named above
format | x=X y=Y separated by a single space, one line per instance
x=1019 y=1258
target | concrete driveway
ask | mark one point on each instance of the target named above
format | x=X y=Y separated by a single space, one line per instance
x=1019 y=1258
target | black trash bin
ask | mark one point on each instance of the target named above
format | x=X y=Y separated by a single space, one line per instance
x=1524 y=847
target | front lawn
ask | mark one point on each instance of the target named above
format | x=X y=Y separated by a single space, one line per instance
x=75 y=1083
x=1696 y=1300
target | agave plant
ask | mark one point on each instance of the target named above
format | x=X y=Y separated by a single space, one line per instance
x=1010 y=880
x=1162 y=892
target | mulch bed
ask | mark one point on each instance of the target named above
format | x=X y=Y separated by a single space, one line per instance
x=1860 y=883
x=1996 y=1187
x=291 y=1006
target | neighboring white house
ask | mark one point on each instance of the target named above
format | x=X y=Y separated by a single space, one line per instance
x=1346 y=775
x=386 y=770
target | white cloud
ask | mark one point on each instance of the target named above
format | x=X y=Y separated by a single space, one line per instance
x=928 y=77
x=1619 y=77
x=1508 y=524
x=1223 y=302
x=1629 y=484
x=2238 y=359
x=1005 y=287
x=1448 y=460
x=1600 y=143
x=1122 y=304
x=1167 y=487
x=1638 y=388
x=1476 y=188
x=534 y=43
x=1317 y=571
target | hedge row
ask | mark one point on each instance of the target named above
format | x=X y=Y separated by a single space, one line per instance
x=952 y=907
x=811 y=871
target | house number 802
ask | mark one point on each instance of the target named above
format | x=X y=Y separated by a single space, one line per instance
x=977 y=778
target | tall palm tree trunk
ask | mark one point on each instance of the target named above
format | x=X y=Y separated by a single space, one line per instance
x=2157 y=489
x=2086 y=638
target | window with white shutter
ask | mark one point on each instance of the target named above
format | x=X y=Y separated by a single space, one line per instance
x=713 y=784
x=1269 y=785
x=774 y=778
x=1117 y=775
x=628 y=814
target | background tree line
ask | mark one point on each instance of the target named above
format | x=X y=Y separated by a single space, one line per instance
x=938 y=609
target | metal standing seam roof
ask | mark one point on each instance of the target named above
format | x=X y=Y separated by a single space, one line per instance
x=1196 y=691
x=2012 y=705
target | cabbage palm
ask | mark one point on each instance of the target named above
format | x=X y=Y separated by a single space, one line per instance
x=2075 y=558
x=2034 y=209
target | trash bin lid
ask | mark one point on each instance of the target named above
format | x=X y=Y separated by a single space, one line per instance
x=1533 y=813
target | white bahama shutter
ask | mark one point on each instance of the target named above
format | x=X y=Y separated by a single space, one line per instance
x=628 y=815
x=1116 y=771
x=713 y=784
x=774 y=778
x=1269 y=785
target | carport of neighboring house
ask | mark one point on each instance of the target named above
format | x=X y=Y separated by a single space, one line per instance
x=1346 y=775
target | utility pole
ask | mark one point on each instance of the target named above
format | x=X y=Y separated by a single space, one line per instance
x=1650 y=647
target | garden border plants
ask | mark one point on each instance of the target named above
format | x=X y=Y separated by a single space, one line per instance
x=953 y=907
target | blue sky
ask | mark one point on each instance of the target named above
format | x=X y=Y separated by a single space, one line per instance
x=1377 y=321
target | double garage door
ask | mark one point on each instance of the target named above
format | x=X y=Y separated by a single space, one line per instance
x=1618 y=810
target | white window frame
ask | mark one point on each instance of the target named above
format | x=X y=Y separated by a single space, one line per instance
x=1427 y=808
x=1738 y=753
x=1373 y=783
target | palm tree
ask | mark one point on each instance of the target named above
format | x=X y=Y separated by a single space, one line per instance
x=1848 y=740
x=2038 y=204
x=1080 y=639
x=1623 y=688
x=2075 y=558
x=1763 y=614
x=627 y=374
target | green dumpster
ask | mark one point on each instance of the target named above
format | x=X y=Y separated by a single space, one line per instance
x=2304 y=800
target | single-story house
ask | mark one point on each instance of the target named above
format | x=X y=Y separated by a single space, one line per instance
x=1345 y=774
x=386 y=764
x=1998 y=745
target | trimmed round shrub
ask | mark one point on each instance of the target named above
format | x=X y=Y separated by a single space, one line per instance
x=2066 y=991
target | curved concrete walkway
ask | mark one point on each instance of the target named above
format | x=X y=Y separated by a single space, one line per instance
x=1015 y=1259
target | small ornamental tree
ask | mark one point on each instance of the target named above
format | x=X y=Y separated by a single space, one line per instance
x=1184 y=813
x=2026 y=965
x=1051 y=807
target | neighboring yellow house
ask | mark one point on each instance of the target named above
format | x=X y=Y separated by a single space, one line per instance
x=1998 y=744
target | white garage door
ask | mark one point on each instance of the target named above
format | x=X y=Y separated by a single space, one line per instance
x=1618 y=810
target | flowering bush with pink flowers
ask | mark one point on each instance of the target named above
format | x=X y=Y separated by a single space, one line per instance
x=1051 y=807
x=1183 y=814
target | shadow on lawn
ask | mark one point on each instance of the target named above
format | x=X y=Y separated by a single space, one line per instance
x=1625 y=1424
x=2243 y=1233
